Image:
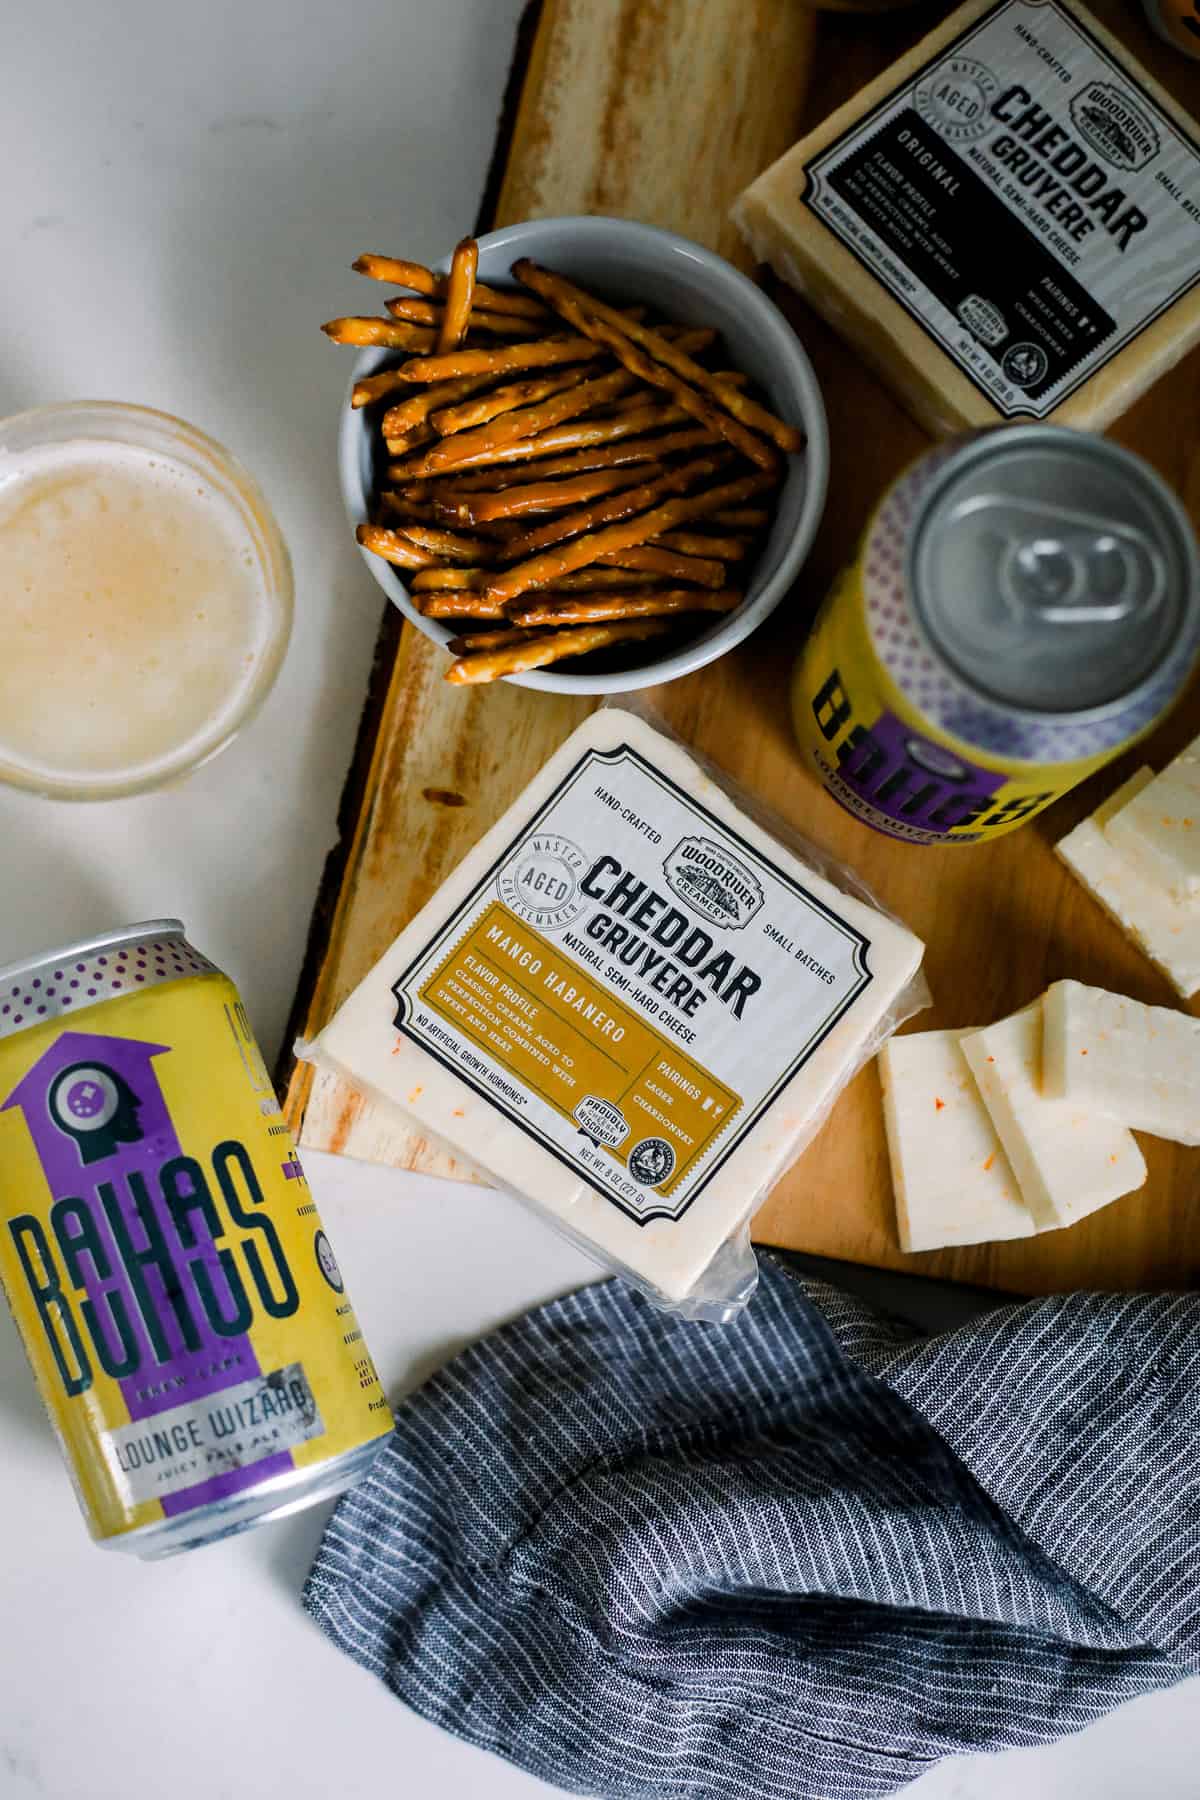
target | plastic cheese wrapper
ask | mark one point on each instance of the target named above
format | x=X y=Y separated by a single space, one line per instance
x=632 y=1005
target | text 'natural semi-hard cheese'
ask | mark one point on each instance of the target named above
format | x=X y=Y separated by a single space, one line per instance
x=1006 y=223
x=630 y=1003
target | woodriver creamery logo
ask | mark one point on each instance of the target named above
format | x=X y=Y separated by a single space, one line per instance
x=1114 y=124
x=713 y=882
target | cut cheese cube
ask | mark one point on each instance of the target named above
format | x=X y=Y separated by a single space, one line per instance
x=630 y=1003
x=1168 y=931
x=1139 y=1064
x=1069 y=1160
x=1158 y=828
x=952 y=1181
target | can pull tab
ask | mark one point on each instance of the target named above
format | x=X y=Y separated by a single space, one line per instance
x=1060 y=567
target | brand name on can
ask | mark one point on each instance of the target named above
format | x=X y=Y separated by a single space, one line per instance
x=133 y=1269
x=906 y=784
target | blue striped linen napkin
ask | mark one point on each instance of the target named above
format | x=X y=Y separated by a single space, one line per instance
x=805 y=1554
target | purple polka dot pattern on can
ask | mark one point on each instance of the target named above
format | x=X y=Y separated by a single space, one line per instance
x=48 y=988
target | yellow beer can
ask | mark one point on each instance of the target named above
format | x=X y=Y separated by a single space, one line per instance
x=181 y=1305
x=1025 y=603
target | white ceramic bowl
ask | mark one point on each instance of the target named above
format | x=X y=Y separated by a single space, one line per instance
x=627 y=262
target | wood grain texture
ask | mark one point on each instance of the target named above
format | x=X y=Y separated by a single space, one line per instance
x=659 y=110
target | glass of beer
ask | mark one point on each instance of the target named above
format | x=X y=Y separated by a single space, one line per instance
x=145 y=599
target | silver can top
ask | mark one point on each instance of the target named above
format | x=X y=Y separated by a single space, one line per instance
x=58 y=984
x=1054 y=571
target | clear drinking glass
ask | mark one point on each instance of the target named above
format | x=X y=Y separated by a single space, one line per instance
x=145 y=599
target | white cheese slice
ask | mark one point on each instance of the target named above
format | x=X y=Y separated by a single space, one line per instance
x=630 y=1004
x=1139 y=1064
x=952 y=1181
x=1167 y=930
x=1158 y=828
x=1069 y=1159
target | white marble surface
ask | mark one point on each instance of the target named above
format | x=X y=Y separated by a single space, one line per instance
x=183 y=190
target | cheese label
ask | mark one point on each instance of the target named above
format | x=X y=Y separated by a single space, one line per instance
x=1024 y=200
x=632 y=983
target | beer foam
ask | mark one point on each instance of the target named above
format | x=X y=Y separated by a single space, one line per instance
x=134 y=614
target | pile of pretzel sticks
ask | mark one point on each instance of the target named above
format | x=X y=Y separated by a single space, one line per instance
x=548 y=458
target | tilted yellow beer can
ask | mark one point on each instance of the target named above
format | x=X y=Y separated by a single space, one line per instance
x=182 y=1308
x=1025 y=604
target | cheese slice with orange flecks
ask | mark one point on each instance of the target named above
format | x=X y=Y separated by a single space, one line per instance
x=1137 y=1063
x=952 y=1181
x=1166 y=930
x=1069 y=1159
x=1158 y=828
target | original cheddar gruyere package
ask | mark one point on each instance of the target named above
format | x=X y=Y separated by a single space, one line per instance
x=633 y=1004
x=1006 y=224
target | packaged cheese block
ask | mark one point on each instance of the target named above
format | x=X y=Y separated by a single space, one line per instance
x=630 y=1004
x=1139 y=1064
x=1006 y=224
x=952 y=1181
x=1157 y=829
x=1167 y=930
x=1069 y=1159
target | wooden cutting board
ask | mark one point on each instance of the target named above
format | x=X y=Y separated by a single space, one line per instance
x=662 y=110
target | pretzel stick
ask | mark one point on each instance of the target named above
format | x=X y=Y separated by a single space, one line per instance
x=459 y=579
x=539 y=496
x=542 y=570
x=460 y=295
x=486 y=640
x=418 y=312
x=548 y=609
x=449 y=419
x=409 y=512
x=418 y=407
x=392 y=334
x=587 y=581
x=571 y=302
x=575 y=434
x=452 y=603
x=527 y=421
x=709 y=412
x=579 y=462
x=415 y=512
x=399 y=273
x=699 y=543
x=393 y=546
x=661 y=565
x=440 y=542
x=492 y=539
x=615 y=506
x=538 y=650
x=410 y=441
x=449 y=580
x=506 y=358
x=376 y=387
x=428 y=312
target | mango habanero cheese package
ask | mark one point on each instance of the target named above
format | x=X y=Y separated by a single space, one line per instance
x=632 y=1004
